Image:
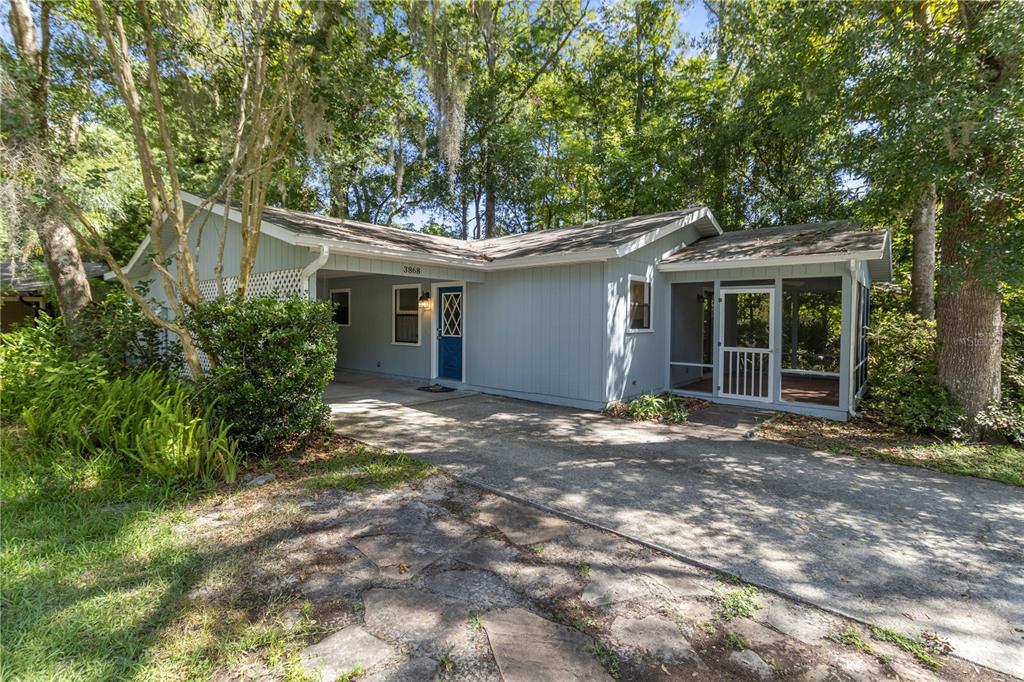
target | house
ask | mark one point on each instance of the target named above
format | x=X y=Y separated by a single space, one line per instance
x=23 y=286
x=583 y=316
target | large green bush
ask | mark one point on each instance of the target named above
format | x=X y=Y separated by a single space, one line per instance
x=149 y=422
x=114 y=328
x=903 y=391
x=274 y=359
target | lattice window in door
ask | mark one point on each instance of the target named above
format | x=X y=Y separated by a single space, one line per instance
x=451 y=313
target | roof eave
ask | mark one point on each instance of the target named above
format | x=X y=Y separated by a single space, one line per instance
x=730 y=264
x=693 y=218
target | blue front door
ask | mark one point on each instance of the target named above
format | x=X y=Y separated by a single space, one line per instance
x=449 y=333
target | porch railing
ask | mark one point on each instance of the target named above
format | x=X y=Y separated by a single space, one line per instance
x=746 y=373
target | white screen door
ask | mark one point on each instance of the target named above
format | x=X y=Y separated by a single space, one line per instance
x=745 y=355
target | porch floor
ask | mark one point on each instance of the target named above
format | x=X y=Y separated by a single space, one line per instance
x=796 y=389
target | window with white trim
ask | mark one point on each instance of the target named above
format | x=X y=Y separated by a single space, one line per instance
x=341 y=300
x=639 y=303
x=405 y=306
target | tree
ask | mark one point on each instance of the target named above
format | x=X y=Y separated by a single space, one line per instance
x=32 y=156
x=251 y=39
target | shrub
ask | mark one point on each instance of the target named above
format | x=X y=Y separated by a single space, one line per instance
x=114 y=328
x=650 y=407
x=903 y=391
x=148 y=422
x=25 y=355
x=274 y=359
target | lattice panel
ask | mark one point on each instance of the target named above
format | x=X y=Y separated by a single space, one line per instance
x=451 y=314
x=279 y=283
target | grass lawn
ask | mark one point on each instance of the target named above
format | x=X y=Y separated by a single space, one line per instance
x=96 y=571
x=863 y=438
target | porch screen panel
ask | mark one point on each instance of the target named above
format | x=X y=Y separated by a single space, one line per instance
x=692 y=337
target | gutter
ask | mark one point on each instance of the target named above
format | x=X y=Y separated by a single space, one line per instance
x=310 y=270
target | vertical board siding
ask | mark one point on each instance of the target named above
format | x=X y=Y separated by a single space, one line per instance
x=636 y=362
x=537 y=331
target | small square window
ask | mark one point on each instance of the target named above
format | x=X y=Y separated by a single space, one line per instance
x=639 y=304
x=341 y=300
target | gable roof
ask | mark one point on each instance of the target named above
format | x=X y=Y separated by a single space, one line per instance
x=563 y=241
x=822 y=242
x=837 y=240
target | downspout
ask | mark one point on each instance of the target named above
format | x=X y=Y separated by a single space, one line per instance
x=310 y=270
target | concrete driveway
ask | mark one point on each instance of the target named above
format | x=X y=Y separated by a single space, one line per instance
x=896 y=546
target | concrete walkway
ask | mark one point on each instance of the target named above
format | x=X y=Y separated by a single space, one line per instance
x=896 y=546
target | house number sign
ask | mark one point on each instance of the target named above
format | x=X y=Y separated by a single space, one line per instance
x=411 y=269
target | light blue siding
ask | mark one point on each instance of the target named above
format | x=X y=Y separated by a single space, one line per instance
x=539 y=333
x=637 y=362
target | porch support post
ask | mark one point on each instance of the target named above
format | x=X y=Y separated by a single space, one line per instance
x=846 y=337
x=776 y=343
x=716 y=342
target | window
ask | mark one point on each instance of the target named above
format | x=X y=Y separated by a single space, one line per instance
x=639 y=303
x=341 y=300
x=405 y=305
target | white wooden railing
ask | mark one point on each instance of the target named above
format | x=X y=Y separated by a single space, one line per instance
x=746 y=373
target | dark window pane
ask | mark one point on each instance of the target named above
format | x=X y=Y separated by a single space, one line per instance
x=407 y=299
x=407 y=328
x=341 y=307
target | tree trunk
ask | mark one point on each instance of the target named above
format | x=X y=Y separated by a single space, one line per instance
x=64 y=264
x=922 y=274
x=969 y=321
x=489 y=199
x=63 y=260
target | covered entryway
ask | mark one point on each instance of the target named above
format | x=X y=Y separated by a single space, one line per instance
x=398 y=326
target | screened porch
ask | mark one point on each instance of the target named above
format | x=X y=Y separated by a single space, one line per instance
x=776 y=341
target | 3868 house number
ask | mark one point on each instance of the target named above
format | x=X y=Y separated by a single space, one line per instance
x=411 y=269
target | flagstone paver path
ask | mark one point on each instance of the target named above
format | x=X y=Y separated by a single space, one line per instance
x=438 y=580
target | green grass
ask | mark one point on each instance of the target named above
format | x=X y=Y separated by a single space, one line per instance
x=365 y=468
x=909 y=644
x=96 y=571
x=740 y=603
x=862 y=438
x=734 y=642
x=606 y=657
x=851 y=637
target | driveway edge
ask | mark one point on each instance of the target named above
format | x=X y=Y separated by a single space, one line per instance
x=683 y=558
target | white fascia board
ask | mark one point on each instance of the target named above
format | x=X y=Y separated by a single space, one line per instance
x=592 y=256
x=654 y=235
x=769 y=262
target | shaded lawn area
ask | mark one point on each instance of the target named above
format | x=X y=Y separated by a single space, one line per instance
x=96 y=570
x=864 y=438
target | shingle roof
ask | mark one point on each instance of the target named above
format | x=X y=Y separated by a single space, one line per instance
x=811 y=239
x=367 y=233
x=30 y=276
x=609 y=233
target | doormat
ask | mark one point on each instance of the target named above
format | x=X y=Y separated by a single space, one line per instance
x=435 y=388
